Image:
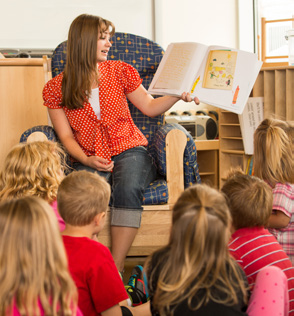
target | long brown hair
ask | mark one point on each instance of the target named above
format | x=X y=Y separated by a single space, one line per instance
x=81 y=61
x=33 y=265
x=197 y=255
x=273 y=160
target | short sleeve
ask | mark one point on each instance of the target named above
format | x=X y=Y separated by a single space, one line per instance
x=283 y=198
x=105 y=284
x=52 y=94
x=130 y=78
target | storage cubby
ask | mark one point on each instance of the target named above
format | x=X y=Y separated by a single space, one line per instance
x=276 y=86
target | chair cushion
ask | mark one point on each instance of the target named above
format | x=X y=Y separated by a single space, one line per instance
x=156 y=193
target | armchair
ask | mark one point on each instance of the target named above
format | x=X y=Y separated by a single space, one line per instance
x=171 y=146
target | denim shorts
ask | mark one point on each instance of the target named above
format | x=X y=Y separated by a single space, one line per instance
x=133 y=171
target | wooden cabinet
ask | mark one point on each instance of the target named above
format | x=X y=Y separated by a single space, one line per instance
x=276 y=86
x=207 y=157
x=21 y=103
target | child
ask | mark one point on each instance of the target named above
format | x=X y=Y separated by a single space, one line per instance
x=83 y=199
x=194 y=271
x=253 y=246
x=194 y=274
x=273 y=162
x=34 y=279
x=34 y=168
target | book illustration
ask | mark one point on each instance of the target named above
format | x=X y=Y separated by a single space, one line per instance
x=220 y=69
x=175 y=68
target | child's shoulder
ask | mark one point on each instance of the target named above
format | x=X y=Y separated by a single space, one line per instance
x=84 y=244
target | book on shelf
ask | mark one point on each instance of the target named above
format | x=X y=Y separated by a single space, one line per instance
x=217 y=75
x=249 y=121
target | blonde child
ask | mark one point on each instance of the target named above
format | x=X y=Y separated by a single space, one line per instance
x=195 y=274
x=34 y=278
x=83 y=199
x=33 y=169
x=273 y=162
x=253 y=246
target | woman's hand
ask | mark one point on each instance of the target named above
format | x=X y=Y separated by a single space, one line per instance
x=99 y=163
x=187 y=98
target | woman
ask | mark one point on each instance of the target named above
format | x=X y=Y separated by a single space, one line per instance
x=88 y=107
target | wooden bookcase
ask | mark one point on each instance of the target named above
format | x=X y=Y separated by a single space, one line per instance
x=21 y=103
x=207 y=157
x=276 y=86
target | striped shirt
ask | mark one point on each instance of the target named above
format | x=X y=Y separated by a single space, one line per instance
x=255 y=248
x=283 y=200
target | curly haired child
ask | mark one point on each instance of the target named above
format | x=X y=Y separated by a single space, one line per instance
x=33 y=169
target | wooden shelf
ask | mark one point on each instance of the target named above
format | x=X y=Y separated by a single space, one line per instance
x=275 y=85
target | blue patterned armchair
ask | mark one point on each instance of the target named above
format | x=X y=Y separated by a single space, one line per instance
x=171 y=146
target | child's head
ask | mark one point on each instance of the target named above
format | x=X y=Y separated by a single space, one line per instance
x=273 y=160
x=33 y=263
x=249 y=198
x=34 y=168
x=81 y=196
x=200 y=225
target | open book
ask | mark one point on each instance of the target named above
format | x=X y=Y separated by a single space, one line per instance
x=217 y=75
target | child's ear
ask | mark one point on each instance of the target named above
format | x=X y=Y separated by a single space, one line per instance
x=99 y=217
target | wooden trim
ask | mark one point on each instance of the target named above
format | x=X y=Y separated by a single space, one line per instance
x=21 y=62
x=207 y=144
x=176 y=141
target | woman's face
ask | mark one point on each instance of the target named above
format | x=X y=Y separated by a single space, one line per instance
x=103 y=46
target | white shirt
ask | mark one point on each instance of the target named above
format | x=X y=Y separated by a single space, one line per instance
x=94 y=101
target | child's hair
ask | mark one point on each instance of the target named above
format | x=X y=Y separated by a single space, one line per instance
x=81 y=196
x=250 y=199
x=273 y=160
x=33 y=264
x=34 y=168
x=197 y=255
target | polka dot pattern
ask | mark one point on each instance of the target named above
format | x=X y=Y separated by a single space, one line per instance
x=116 y=131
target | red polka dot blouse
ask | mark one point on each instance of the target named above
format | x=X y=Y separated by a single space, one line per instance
x=116 y=131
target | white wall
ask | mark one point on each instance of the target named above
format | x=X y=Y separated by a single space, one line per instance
x=205 y=21
x=44 y=24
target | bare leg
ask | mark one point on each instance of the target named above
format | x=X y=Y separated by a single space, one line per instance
x=121 y=241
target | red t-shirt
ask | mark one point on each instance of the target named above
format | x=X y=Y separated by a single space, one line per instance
x=255 y=248
x=116 y=131
x=95 y=274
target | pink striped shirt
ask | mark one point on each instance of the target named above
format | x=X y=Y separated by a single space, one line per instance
x=255 y=248
x=283 y=200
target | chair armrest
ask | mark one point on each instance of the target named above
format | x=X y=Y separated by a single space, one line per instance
x=158 y=152
x=40 y=132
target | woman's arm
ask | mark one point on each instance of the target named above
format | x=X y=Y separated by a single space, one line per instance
x=278 y=220
x=153 y=107
x=64 y=132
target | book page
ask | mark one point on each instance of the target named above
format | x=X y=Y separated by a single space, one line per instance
x=177 y=65
x=220 y=69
